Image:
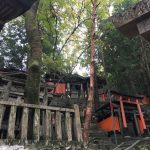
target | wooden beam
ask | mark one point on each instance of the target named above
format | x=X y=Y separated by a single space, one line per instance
x=36 y=106
x=7 y=91
x=127 y=20
x=135 y=143
x=48 y=126
x=137 y=125
x=58 y=125
x=123 y=113
x=77 y=124
x=141 y=114
x=120 y=121
x=2 y=109
x=24 y=125
x=144 y=28
x=36 y=126
x=11 y=123
x=131 y=14
x=68 y=126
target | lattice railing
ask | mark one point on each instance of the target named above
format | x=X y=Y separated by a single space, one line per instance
x=38 y=122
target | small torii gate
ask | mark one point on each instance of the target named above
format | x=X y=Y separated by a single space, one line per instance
x=134 y=21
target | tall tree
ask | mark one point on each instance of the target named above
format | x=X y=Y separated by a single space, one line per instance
x=34 y=56
x=90 y=101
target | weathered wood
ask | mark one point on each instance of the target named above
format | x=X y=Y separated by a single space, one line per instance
x=136 y=124
x=36 y=126
x=24 y=125
x=135 y=143
x=68 y=126
x=77 y=124
x=35 y=106
x=48 y=126
x=2 y=109
x=11 y=123
x=141 y=9
x=58 y=126
x=127 y=20
x=45 y=99
x=120 y=121
x=7 y=90
x=144 y=28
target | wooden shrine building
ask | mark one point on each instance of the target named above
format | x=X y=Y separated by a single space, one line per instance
x=47 y=122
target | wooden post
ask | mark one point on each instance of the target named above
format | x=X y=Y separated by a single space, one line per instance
x=77 y=124
x=136 y=124
x=141 y=114
x=68 y=126
x=48 y=126
x=7 y=90
x=11 y=123
x=120 y=121
x=2 y=109
x=36 y=126
x=123 y=113
x=24 y=124
x=58 y=126
x=45 y=96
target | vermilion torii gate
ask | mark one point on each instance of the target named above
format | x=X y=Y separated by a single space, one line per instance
x=10 y=9
x=135 y=20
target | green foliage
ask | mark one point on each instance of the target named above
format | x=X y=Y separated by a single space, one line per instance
x=14 y=46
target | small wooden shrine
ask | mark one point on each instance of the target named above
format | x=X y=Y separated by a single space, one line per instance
x=28 y=122
x=123 y=114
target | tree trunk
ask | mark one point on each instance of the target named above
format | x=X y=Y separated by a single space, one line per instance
x=89 y=107
x=35 y=54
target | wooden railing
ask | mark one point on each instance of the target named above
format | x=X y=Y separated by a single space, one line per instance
x=38 y=122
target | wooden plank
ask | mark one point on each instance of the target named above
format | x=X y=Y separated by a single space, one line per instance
x=68 y=126
x=120 y=121
x=7 y=91
x=144 y=26
x=2 y=109
x=137 y=124
x=24 y=125
x=58 y=126
x=11 y=123
x=135 y=143
x=48 y=126
x=132 y=15
x=77 y=124
x=45 y=99
x=118 y=146
x=36 y=126
x=35 y=106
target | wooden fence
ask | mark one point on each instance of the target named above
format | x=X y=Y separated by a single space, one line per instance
x=38 y=122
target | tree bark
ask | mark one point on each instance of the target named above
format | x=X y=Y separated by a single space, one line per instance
x=89 y=107
x=34 y=65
